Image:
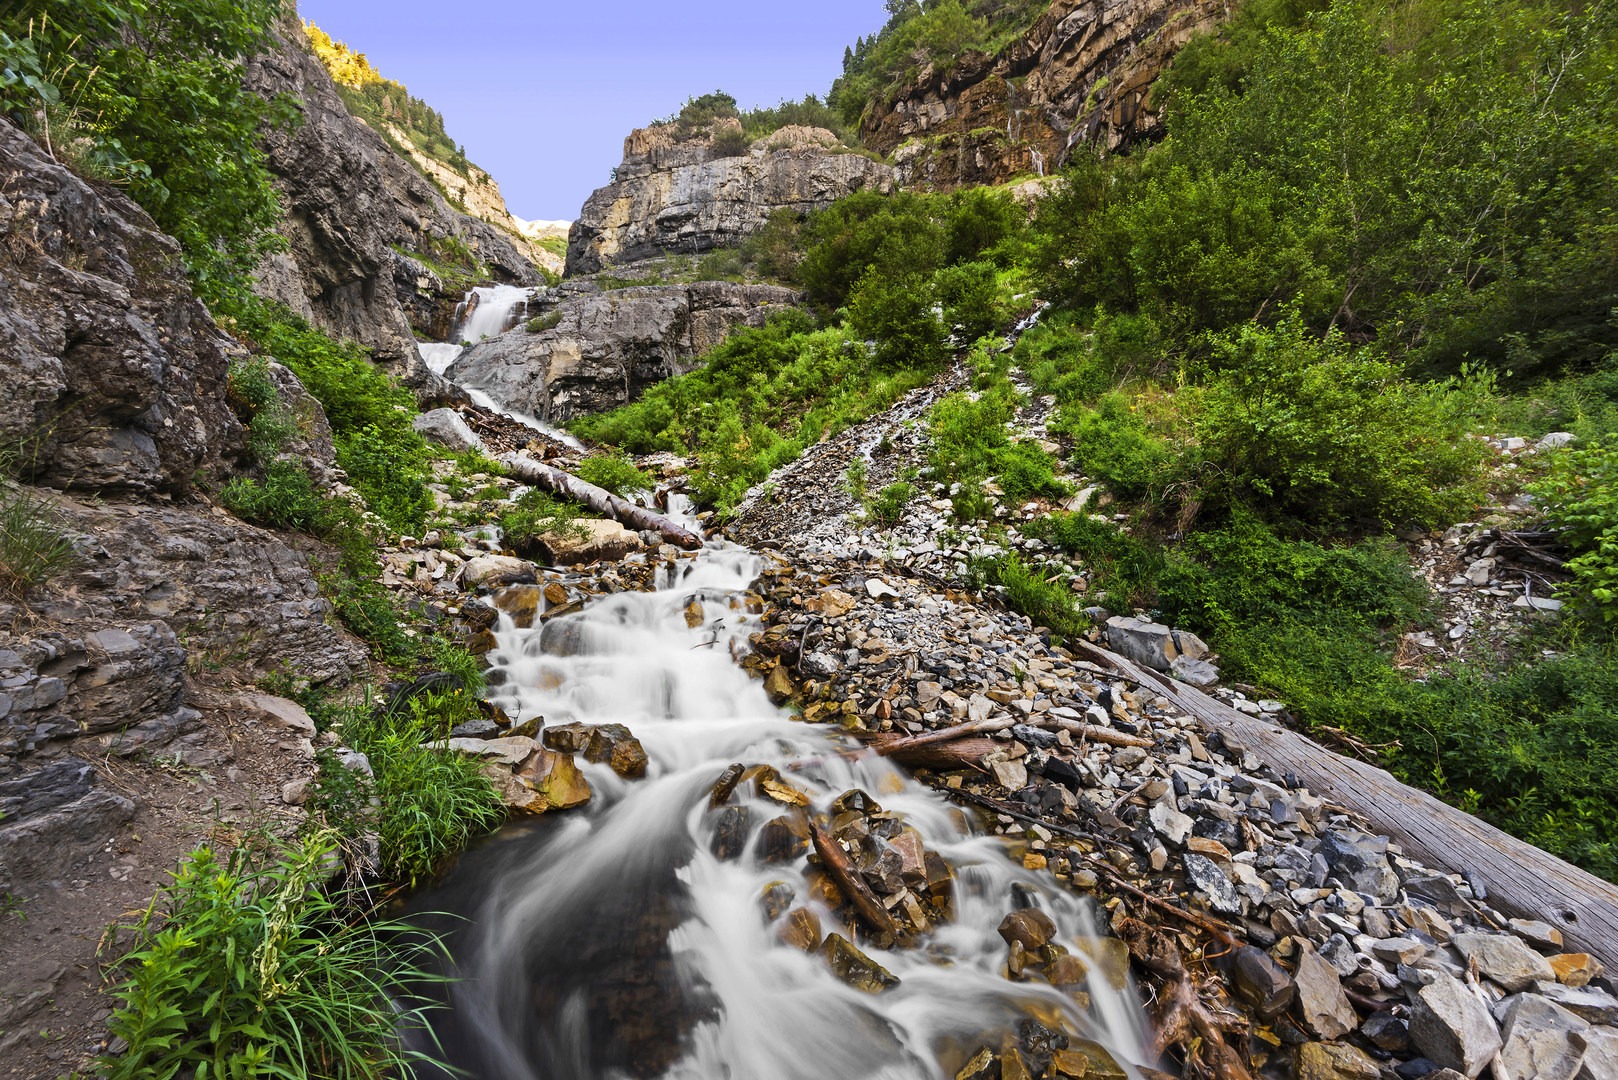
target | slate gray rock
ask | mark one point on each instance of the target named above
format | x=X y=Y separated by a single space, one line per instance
x=1542 y=1039
x=1360 y=861
x=1452 y=1027
x=1504 y=960
x=1325 y=1010
x=446 y=428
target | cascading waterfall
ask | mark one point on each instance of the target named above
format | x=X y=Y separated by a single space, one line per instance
x=610 y=942
x=488 y=311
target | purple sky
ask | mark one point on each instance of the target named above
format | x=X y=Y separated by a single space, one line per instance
x=542 y=93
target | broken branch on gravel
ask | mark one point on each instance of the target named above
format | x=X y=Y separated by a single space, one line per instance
x=849 y=881
x=600 y=500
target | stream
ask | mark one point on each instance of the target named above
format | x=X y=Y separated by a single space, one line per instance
x=611 y=941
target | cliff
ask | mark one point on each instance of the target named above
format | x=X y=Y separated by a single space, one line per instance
x=1082 y=75
x=604 y=349
x=688 y=195
x=374 y=247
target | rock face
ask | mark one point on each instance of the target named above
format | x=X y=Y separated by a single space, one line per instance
x=688 y=195
x=608 y=347
x=114 y=373
x=352 y=205
x=1081 y=75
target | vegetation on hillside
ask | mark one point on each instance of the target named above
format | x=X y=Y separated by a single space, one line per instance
x=385 y=105
x=876 y=68
x=698 y=115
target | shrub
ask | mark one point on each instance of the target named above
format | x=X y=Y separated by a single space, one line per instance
x=1113 y=444
x=549 y=321
x=1579 y=495
x=897 y=313
x=613 y=470
x=246 y=967
x=533 y=516
x=1048 y=603
x=889 y=505
x=1123 y=570
x=1307 y=430
x=970 y=295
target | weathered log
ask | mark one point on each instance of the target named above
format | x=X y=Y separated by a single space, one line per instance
x=849 y=881
x=600 y=500
x=962 y=753
x=1000 y=723
x=1522 y=880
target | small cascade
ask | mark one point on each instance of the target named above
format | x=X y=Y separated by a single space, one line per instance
x=1039 y=161
x=612 y=941
x=488 y=311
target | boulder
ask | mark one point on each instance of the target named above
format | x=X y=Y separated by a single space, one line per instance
x=495 y=571
x=1333 y=1061
x=1542 y=1039
x=1360 y=861
x=508 y=751
x=589 y=540
x=1504 y=960
x=551 y=781
x=855 y=968
x=446 y=428
x=1152 y=644
x=1322 y=1006
x=1452 y=1027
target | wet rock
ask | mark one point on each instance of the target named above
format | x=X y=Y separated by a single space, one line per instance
x=880 y=866
x=1542 y=1039
x=779 y=686
x=1098 y=1062
x=726 y=784
x=1452 y=1027
x=1322 y=1006
x=494 y=571
x=1107 y=957
x=1386 y=1032
x=1211 y=884
x=555 y=781
x=1261 y=982
x=783 y=838
x=1504 y=960
x=981 y=1067
x=1029 y=927
x=614 y=744
x=475 y=729
x=730 y=832
x=855 y=968
x=521 y=602
x=800 y=929
x=1013 y=1067
x=571 y=738
x=1333 y=1061
x=446 y=428
x=590 y=540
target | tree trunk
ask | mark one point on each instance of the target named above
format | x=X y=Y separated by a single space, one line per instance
x=600 y=500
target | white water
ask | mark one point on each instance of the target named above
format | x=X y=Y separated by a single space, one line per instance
x=547 y=909
x=488 y=311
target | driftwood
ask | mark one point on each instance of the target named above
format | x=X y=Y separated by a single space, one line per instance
x=600 y=500
x=849 y=881
x=962 y=753
x=1522 y=880
x=1001 y=723
x=1182 y=1018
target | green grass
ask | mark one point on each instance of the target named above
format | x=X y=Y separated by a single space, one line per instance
x=247 y=966
x=34 y=547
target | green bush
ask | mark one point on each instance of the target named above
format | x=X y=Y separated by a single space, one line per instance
x=971 y=297
x=1048 y=603
x=1113 y=444
x=246 y=967
x=1123 y=570
x=896 y=313
x=888 y=508
x=613 y=470
x=534 y=515
x=34 y=548
x=1309 y=431
x=1579 y=496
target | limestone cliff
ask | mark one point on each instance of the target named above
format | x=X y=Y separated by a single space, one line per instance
x=367 y=232
x=691 y=194
x=1082 y=75
x=605 y=348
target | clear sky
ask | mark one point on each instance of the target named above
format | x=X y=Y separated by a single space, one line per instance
x=541 y=93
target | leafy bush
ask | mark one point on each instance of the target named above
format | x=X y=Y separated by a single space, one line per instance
x=1308 y=430
x=1579 y=495
x=1123 y=570
x=971 y=297
x=897 y=315
x=541 y=323
x=246 y=967
x=613 y=470
x=156 y=91
x=889 y=505
x=534 y=515
x=1048 y=603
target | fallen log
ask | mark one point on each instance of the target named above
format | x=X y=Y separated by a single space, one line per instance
x=850 y=883
x=1522 y=880
x=1001 y=723
x=962 y=753
x=602 y=501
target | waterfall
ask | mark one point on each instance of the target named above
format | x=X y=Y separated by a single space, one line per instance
x=489 y=310
x=610 y=941
x=1039 y=161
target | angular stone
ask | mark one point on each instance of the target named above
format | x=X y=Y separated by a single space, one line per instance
x=1106 y=956
x=1452 y=1027
x=855 y=968
x=1211 y=884
x=1030 y=927
x=1600 y=1055
x=1596 y=1006
x=1503 y=959
x=613 y=744
x=783 y=838
x=1262 y=983
x=1170 y=824
x=494 y=571
x=281 y=712
x=730 y=832
x=590 y=540
x=571 y=738
x=508 y=751
x=800 y=929
x=521 y=602
x=779 y=686
x=446 y=428
x=1360 y=861
x=1541 y=935
x=1011 y=775
x=555 y=780
x=1324 y=1008
x=979 y=1067
x=1542 y=1039
x=1575 y=969
x=912 y=858
x=1332 y=1061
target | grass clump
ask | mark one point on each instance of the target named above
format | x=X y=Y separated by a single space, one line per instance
x=34 y=548
x=247 y=966
x=532 y=517
x=1046 y=601
x=614 y=471
x=888 y=507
